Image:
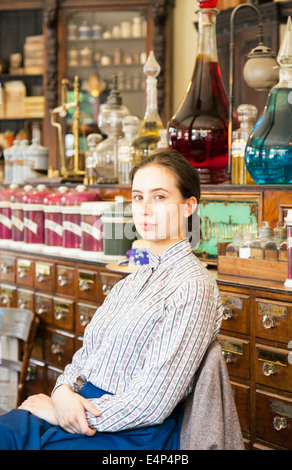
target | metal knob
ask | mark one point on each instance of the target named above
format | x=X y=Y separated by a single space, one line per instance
x=269 y=321
x=227 y=313
x=62 y=280
x=269 y=369
x=84 y=285
x=279 y=423
x=228 y=356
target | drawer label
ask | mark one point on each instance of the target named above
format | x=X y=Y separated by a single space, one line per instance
x=231 y=346
x=275 y=310
x=273 y=356
x=234 y=302
x=280 y=408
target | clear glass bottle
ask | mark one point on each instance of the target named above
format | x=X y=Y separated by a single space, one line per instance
x=257 y=247
x=247 y=117
x=199 y=128
x=232 y=249
x=244 y=248
x=131 y=126
x=272 y=247
x=110 y=123
x=90 y=157
x=8 y=162
x=268 y=154
x=145 y=144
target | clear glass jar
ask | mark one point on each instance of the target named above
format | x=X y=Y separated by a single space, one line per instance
x=233 y=248
x=272 y=247
x=257 y=248
x=244 y=248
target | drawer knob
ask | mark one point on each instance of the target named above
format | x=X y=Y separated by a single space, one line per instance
x=84 y=319
x=84 y=285
x=269 y=369
x=57 y=350
x=4 y=300
x=269 y=321
x=60 y=314
x=106 y=289
x=279 y=423
x=40 y=277
x=5 y=268
x=22 y=304
x=62 y=280
x=41 y=310
x=227 y=313
x=22 y=272
x=228 y=356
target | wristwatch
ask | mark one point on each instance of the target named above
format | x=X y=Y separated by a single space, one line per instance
x=79 y=383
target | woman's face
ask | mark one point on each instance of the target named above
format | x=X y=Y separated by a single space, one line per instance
x=160 y=212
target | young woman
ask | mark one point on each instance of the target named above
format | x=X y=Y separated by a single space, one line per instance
x=142 y=348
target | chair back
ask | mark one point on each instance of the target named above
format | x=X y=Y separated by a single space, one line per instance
x=17 y=335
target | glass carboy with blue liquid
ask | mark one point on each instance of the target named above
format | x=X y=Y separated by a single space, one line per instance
x=268 y=154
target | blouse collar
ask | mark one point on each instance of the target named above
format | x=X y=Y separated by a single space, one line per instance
x=171 y=255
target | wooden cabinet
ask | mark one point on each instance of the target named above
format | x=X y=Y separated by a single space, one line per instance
x=257 y=351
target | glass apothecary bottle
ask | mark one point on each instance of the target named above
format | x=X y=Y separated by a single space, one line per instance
x=272 y=247
x=199 y=128
x=244 y=248
x=232 y=249
x=110 y=121
x=130 y=128
x=145 y=144
x=247 y=117
x=257 y=247
x=268 y=153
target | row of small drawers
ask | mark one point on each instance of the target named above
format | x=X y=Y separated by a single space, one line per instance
x=60 y=311
x=61 y=279
x=272 y=318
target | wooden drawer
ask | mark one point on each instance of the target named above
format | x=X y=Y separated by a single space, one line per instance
x=63 y=313
x=7 y=268
x=107 y=281
x=7 y=296
x=273 y=420
x=52 y=375
x=272 y=367
x=65 y=280
x=44 y=278
x=236 y=353
x=241 y=395
x=87 y=285
x=25 y=299
x=35 y=378
x=44 y=307
x=273 y=320
x=25 y=272
x=84 y=314
x=236 y=312
x=59 y=347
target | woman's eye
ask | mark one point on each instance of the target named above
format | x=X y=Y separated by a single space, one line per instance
x=159 y=196
x=137 y=198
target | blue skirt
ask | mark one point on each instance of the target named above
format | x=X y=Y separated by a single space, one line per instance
x=21 y=430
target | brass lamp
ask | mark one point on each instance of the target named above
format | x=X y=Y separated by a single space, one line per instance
x=260 y=71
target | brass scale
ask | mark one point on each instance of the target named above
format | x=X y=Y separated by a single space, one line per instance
x=62 y=111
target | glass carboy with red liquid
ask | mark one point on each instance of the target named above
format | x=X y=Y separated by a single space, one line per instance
x=199 y=128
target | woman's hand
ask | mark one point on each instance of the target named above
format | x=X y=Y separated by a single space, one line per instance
x=70 y=410
x=41 y=406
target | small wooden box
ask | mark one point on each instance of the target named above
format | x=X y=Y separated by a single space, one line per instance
x=254 y=268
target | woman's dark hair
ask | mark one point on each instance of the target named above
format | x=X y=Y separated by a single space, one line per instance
x=187 y=178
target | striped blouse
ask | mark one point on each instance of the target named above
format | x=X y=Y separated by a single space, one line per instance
x=145 y=343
